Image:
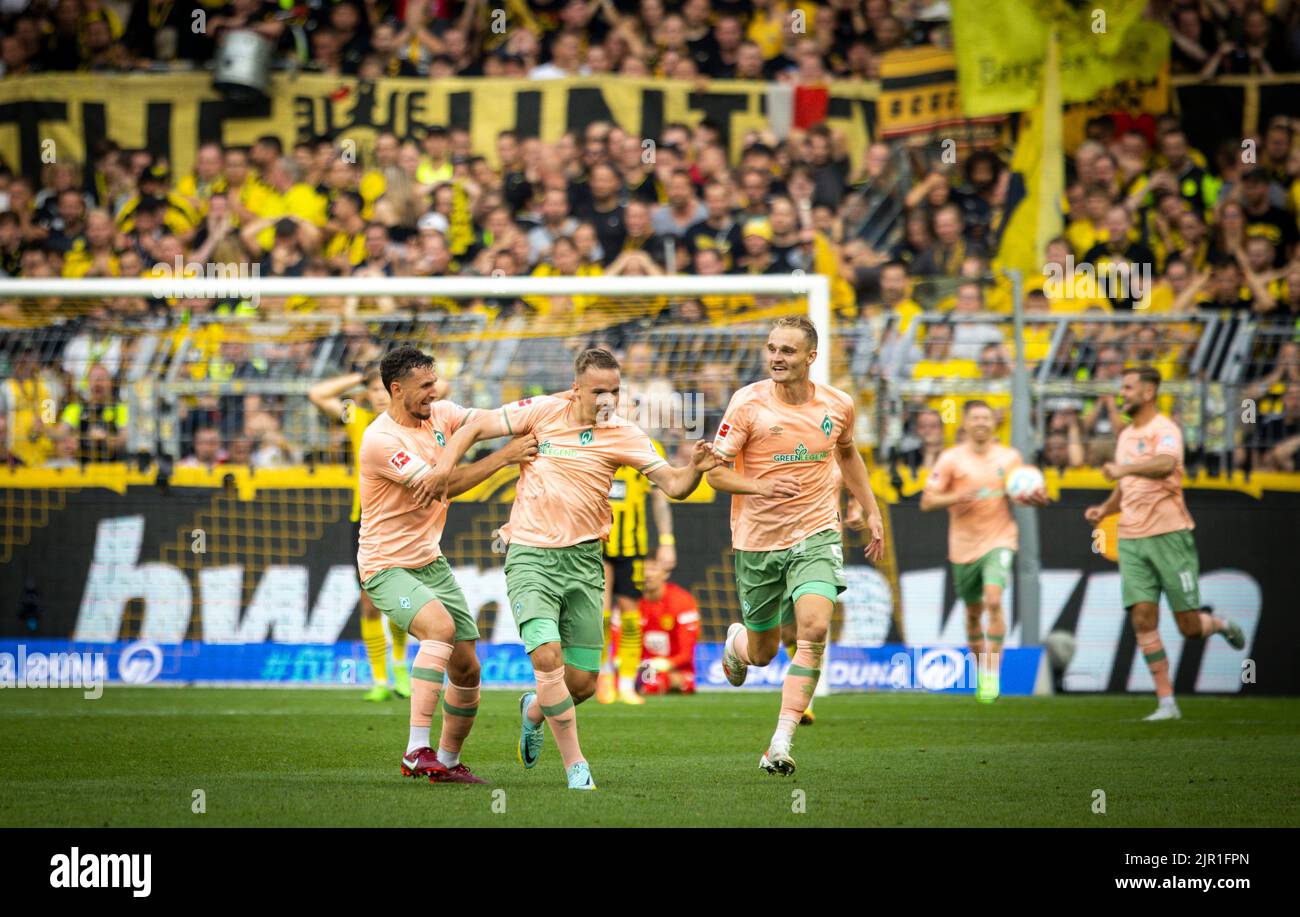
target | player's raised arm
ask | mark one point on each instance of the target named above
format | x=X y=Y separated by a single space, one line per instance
x=327 y=395
x=680 y=482
x=858 y=482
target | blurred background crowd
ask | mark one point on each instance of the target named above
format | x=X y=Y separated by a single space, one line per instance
x=907 y=239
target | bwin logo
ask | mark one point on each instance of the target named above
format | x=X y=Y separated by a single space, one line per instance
x=140 y=663
x=103 y=870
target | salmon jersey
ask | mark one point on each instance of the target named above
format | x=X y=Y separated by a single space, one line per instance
x=394 y=531
x=563 y=495
x=985 y=523
x=669 y=627
x=768 y=438
x=1151 y=506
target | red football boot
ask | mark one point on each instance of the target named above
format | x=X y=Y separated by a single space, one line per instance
x=423 y=762
x=458 y=774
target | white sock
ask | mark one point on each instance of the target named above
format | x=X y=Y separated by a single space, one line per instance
x=1168 y=701
x=784 y=734
x=626 y=684
x=419 y=738
x=449 y=759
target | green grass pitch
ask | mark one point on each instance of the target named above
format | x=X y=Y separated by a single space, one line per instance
x=323 y=757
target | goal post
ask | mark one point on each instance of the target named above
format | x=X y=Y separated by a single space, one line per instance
x=188 y=353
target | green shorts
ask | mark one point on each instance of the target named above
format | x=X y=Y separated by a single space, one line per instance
x=993 y=569
x=769 y=582
x=562 y=592
x=1168 y=563
x=400 y=593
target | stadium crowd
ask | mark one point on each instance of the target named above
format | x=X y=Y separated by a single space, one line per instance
x=902 y=234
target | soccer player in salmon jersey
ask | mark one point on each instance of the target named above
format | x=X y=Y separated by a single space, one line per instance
x=1156 y=550
x=786 y=435
x=968 y=481
x=401 y=564
x=555 y=577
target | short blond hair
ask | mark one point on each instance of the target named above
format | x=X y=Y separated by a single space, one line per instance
x=799 y=323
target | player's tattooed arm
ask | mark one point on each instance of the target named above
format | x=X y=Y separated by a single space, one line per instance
x=680 y=482
x=856 y=479
x=481 y=425
x=519 y=451
x=729 y=481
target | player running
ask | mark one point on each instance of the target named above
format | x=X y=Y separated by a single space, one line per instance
x=968 y=481
x=1156 y=549
x=782 y=434
x=401 y=564
x=355 y=417
x=554 y=575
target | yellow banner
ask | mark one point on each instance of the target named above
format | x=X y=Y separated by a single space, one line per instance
x=1001 y=46
x=1131 y=96
x=1033 y=202
x=48 y=117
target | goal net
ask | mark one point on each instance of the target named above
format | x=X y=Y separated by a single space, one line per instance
x=172 y=418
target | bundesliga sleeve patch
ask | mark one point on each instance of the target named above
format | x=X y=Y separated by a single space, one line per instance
x=400 y=459
x=722 y=432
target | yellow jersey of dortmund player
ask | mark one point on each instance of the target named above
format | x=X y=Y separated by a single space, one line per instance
x=628 y=535
x=356 y=425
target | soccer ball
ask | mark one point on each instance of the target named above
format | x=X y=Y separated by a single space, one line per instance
x=1023 y=481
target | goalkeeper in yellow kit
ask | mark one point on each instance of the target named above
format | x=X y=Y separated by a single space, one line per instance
x=625 y=552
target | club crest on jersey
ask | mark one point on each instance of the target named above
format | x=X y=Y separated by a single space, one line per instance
x=399 y=459
x=800 y=454
x=442 y=440
x=827 y=426
x=585 y=438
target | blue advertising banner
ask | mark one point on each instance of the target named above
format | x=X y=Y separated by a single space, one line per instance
x=64 y=663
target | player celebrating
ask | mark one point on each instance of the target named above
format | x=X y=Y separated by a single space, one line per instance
x=400 y=561
x=328 y=396
x=1156 y=549
x=785 y=526
x=554 y=575
x=670 y=623
x=967 y=480
x=626 y=549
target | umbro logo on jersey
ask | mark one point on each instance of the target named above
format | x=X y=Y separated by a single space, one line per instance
x=776 y=429
x=399 y=459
